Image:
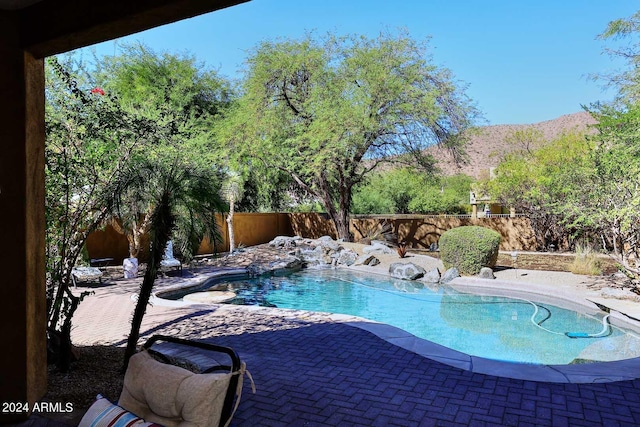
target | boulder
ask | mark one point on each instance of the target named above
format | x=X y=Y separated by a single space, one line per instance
x=406 y=271
x=288 y=263
x=486 y=273
x=449 y=275
x=285 y=241
x=330 y=245
x=347 y=257
x=432 y=276
x=377 y=248
x=367 y=259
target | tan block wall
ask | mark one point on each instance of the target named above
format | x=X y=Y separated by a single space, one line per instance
x=257 y=228
x=250 y=229
x=419 y=231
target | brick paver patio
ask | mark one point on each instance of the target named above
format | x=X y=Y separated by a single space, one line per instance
x=322 y=373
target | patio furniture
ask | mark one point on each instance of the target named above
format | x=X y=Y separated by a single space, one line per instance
x=167 y=384
x=100 y=262
x=168 y=260
x=85 y=274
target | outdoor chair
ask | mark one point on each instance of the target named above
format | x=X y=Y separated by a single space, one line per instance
x=175 y=383
x=85 y=274
x=168 y=260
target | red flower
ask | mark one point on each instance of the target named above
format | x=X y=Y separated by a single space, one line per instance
x=98 y=90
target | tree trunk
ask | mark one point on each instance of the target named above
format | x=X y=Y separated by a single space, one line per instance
x=162 y=223
x=232 y=239
x=340 y=217
x=342 y=226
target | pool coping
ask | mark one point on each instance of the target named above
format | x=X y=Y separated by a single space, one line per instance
x=596 y=372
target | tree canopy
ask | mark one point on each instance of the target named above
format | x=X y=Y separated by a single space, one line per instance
x=326 y=111
x=539 y=182
x=102 y=122
x=176 y=92
x=406 y=190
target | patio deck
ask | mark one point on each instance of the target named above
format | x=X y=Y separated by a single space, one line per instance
x=310 y=370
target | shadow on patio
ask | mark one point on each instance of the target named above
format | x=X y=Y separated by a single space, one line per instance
x=328 y=374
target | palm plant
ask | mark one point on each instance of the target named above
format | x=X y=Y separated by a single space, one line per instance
x=183 y=198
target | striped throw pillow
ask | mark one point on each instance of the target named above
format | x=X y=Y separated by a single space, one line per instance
x=103 y=413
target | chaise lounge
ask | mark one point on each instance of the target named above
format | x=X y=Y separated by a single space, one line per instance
x=166 y=384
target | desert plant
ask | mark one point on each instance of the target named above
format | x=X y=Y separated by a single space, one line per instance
x=586 y=261
x=376 y=231
x=469 y=248
x=402 y=249
x=184 y=197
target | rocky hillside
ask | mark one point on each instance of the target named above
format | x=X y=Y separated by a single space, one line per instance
x=488 y=144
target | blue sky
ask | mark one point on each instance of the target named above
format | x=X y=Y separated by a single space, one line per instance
x=523 y=61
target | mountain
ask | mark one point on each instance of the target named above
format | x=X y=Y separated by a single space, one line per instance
x=487 y=144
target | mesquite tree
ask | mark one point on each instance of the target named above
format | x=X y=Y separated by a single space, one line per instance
x=326 y=112
x=182 y=97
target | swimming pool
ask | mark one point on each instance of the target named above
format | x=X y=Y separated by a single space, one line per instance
x=499 y=328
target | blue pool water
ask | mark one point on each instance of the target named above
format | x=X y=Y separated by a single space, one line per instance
x=491 y=327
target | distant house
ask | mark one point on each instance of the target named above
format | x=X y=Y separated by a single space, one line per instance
x=483 y=206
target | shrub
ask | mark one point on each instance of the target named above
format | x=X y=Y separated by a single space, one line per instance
x=585 y=262
x=469 y=248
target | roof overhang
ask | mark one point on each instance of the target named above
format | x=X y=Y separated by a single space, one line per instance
x=49 y=27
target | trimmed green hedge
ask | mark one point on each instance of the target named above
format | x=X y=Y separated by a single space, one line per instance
x=469 y=248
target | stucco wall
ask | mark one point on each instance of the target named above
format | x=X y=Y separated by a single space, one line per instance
x=250 y=229
x=420 y=231
x=256 y=228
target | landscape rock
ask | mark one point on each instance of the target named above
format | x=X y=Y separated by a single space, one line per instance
x=330 y=245
x=347 y=257
x=406 y=271
x=285 y=241
x=289 y=263
x=432 y=276
x=486 y=273
x=367 y=259
x=449 y=275
x=377 y=248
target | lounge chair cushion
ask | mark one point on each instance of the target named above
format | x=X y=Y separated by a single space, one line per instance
x=103 y=413
x=172 y=396
x=170 y=263
x=86 y=273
